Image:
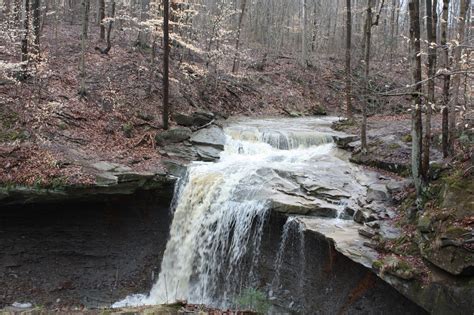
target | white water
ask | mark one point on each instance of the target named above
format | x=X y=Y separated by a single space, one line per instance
x=292 y=238
x=222 y=207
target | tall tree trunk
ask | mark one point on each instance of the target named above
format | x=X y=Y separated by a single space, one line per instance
x=36 y=8
x=166 y=53
x=303 y=33
x=415 y=53
x=152 y=66
x=368 y=38
x=24 y=42
x=82 y=88
x=348 y=59
x=101 y=18
x=235 y=66
x=464 y=8
x=431 y=26
x=446 y=78
x=86 y=18
x=392 y=28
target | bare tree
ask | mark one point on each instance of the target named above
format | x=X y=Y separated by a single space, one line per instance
x=348 y=59
x=24 y=41
x=446 y=78
x=36 y=8
x=82 y=88
x=463 y=9
x=417 y=125
x=166 y=53
x=431 y=26
x=235 y=67
x=101 y=18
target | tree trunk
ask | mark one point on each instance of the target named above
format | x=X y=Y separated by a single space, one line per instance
x=101 y=18
x=392 y=28
x=24 y=42
x=36 y=8
x=86 y=19
x=82 y=88
x=348 y=60
x=303 y=33
x=368 y=38
x=415 y=53
x=446 y=79
x=431 y=25
x=166 y=53
x=464 y=8
x=235 y=67
x=152 y=66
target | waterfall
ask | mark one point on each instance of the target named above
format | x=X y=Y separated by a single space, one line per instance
x=220 y=213
x=292 y=239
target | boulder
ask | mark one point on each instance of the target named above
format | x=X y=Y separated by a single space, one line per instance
x=367 y=232
x=377 y=192
x=174 y=135
x=212 y=136
x=360 y=216
x=194 y=120
x=208 y=153
x=424 y=224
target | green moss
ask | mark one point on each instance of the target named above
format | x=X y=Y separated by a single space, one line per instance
x=394 y=146
x=455 y=231
x=407 y=138
x=127 y=129
x=62 y=125
x=377 y=265
x=456 y=180
x=344 y=125
x=254 y=300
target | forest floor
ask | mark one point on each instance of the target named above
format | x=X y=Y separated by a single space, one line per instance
x=49 y=134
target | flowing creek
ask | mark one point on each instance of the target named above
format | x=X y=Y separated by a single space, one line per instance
x=291 y=166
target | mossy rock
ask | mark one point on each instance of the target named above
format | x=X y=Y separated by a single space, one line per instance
x=424 y=224
x=398 y=268
x=452 y=259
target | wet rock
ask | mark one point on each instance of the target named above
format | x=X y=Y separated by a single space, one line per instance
x=174 y=135
x=106 y=179
x=367 y=232
x=343 y=142
x=208 y=153
x=360 y=217
x=290 y=208
x=373 y=225
x=212 y=136
x=377 y=192
x=347 y=214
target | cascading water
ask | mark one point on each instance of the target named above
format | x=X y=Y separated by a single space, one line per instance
x=222 y=207
x=292 y=238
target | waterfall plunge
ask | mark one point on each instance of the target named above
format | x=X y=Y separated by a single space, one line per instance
x=220 y=213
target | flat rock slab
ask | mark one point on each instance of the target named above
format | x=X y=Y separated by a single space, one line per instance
x=212 y=136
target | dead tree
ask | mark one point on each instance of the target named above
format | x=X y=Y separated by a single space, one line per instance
x=24 y=42
x=417 y=124
x=431 y=26
x=109 y=31
x=348 y=59
x=235 y=67
x=166 y=53
x=446 y=78
x=101 y=18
